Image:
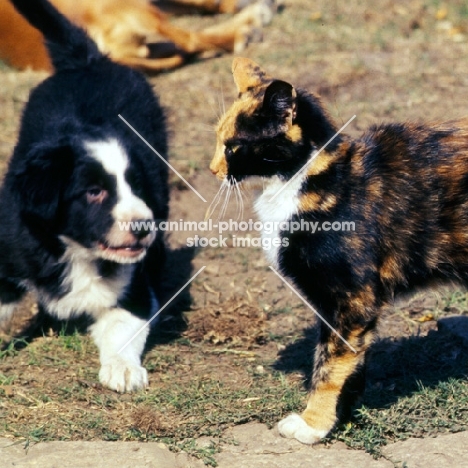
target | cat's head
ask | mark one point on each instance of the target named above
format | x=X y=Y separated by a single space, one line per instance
x=260 y=134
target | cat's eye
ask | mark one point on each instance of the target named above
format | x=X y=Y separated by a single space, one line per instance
x=231 y=150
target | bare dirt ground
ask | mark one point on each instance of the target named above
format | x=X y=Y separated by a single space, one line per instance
x=236 y=347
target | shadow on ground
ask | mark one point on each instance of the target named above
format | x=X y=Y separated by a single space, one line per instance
x=169 y=326
x=395 y=368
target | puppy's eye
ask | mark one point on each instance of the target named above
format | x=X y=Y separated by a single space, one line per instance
x=96 y=195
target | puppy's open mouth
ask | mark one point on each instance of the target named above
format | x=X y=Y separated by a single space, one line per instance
x=124 y=251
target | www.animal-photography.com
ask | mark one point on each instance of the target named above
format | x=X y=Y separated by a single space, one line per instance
x=233 y=233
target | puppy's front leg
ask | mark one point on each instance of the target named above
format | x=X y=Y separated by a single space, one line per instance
x=115 y=329
x=10 y=295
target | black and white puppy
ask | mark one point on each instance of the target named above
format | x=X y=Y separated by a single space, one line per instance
x=78 y=175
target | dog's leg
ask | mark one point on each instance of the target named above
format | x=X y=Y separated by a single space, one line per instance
x=153 y=64
x=235 y=34
x=215 y=6
x=230 y=35
x=10 y=295
x=120 y=350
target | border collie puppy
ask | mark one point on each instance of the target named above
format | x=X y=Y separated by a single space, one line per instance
x=76 y=177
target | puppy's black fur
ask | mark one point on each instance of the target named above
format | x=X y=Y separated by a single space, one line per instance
x=77 y=172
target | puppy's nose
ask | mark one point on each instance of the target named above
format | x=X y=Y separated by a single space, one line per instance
x=142 y=228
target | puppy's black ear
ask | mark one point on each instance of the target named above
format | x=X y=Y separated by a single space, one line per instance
x=41 y=181
x=280 y=100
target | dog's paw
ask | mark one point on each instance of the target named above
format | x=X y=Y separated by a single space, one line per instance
x=294 y=427
x=249 y=24
x=261 y=12
x=123 y=376
x=245 y=36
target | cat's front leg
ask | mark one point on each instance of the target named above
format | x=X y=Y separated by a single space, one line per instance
x=337 y=381
x=121 y=337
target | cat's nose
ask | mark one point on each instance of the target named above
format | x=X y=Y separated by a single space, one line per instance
x=218 y=164
x=215 y=167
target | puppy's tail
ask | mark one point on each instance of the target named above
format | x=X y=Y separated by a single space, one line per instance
x=69 y=46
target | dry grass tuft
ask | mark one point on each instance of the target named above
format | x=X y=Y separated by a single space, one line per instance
x=235 y=322
x=146 y=420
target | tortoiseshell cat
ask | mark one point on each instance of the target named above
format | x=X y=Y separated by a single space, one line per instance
x=405 y=187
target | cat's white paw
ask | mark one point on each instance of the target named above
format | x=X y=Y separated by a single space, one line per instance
x=294 y=427
x=123 y=376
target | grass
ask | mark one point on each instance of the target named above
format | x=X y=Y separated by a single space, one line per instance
x=429 y=411
x=456 y=300
x=67 y=404
x=413 y=391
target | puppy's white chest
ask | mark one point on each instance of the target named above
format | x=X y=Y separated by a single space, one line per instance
x=86 y=290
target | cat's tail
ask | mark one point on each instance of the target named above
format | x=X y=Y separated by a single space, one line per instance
x=69 y=46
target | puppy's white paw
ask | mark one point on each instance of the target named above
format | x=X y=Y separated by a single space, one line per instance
x=6 y=311
x=123 y=376
x=294 y=427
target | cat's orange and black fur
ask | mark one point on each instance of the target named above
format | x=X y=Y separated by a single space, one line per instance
x=404 y=185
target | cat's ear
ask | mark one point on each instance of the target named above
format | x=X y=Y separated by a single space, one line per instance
x=280 y=100
x=248 y=74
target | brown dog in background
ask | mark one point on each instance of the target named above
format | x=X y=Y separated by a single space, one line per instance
x=136 y=32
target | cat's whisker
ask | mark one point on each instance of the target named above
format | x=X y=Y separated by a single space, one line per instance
x=240 y=200
x=222 y=96
x=236 y=194
x=243 y=191
x=231 y=191
x=226 y=201
x=215 y=112
x=220 y=103
x=216 y=199
x=242 y=204
x=206 y=127
x=223 y=194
